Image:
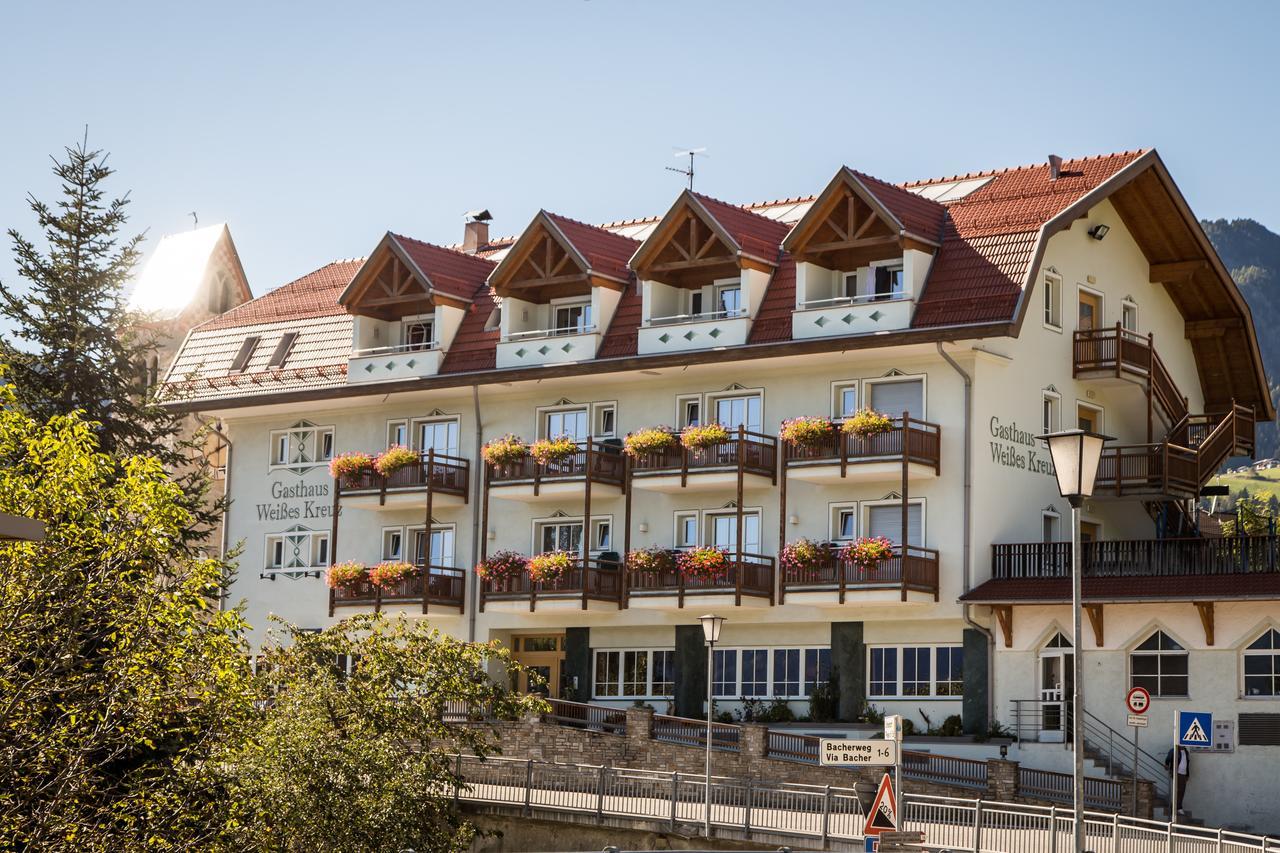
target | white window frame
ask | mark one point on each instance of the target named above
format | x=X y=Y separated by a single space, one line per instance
x=1184 y=652
x=388 y=536
x=415 y=430
x=649 y=688
x=1054 y=400
x=771 y=684
x=316 y=549
x=428 y=319
x=893 y=265
x=899 y=648
x=711 y=401
x=722 y=284
x=402 y=425
x=706 y=522
x=1054 y=516
x=543 y=412
x=864 y=516
x=556 y=305
x=678 y=526
x=837 y=392
x=320 y=435
x=1127 y=305
x=682 y=403
x=835 y=514
x=922 y=378
x=1245 y=653
x=411 y=542
x=1051 y=303
x=593 y=548
x=598 y=412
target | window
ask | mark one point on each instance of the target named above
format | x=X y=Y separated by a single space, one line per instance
x=603 y=535
x=440 y=551
x=745 y=411
x=845 y=403
x=664 y=673
x=1053 y=302
x=1129 y=316
x=886 y=520
x=1088 y=417
x=1050 y=406
x=817 y=669
x=724 y=673
x=393 y=544
x=398 y=434
x=1160 y=665
x=755 y=672
x=418 y=334
x=695 y=303
x=608 y=681
x=916 y=671
x=301 y=446
x=890 y=282
x=1051 y=520
x=571 y=422
x=241 y=360
x=297 y=550
x=686 y=530
x=722 y=530
x=438 y=435
x=1089 y=309
x=606 y=418
x=1262 y=665
x=788 y=673
x=281 y=352
x=729 y=299
x=635 y=673
x=559 y=536
x=844 y=522
x=572 y=319
x=895 y=396
x=688 y=411
x=850 y=285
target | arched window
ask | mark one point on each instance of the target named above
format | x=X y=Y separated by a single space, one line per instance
x=1262 y=665
x=1159 y=664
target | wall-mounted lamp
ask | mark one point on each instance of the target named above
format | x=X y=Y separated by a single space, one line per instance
x=644 y=527
x=1099 y=231
x=795 y=519
x=493 y=534
x=1004 y=750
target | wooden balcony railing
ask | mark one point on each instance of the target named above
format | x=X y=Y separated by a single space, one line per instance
x=1120 y=352
x=920 y=441
x=909 y=569
x=1161 y=469
x=443 y=586
x=602 y=462
x=748 y=574
x=598 y=580
x=1205 y=555
x=440 y=472
x=752 y=452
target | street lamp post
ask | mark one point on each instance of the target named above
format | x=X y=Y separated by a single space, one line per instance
x=1076 y=454
x=711 y=632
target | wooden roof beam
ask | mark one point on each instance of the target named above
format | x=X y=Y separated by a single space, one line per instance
x=1176 y=271
x=1212 y=328
x=1004 y=615
x=1095 y=619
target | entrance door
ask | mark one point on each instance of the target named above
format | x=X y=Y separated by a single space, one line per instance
x=1090 y=313
x=1056 y=674
x=441 y=549
x=543 y=657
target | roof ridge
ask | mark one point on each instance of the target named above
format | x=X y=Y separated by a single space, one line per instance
x=1024 y=167
x=450 y=249
x=601 y=228
x=778 y=202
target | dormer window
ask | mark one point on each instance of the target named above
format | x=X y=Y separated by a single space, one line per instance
x=418 y=333
x=729 y=298
x=572 y=318
x=890 y=282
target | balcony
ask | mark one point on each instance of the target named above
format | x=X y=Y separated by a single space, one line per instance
x=911 y=448
x=1120 y=355
x=852 y=315
x=909 y=575
x=595 y=586
x=747 y=583
x=382 y=364
x=752 y=455
x=447 y=478
x=1203 y=556
x=686 y=332
x=529 y=480
x=445 y=591
x=548 y=346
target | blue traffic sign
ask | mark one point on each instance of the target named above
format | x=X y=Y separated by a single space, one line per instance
x=1195 y=728
x=872 y=844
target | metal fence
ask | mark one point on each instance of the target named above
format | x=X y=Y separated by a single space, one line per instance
x=821 y=814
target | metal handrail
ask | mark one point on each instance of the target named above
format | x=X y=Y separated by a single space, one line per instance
x=673 y=319
x=556 y=332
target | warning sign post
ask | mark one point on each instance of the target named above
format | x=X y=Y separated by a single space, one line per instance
x=883 y=816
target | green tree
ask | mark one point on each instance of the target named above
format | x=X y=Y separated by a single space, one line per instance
x=358 y=757
x=117 y=673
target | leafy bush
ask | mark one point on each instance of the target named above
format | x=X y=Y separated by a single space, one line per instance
x=346 y=574
x=647 y=441
x=501 y=565
x=707 y=564
x=394 y=458
x=806 y=431
x=507 y=450
x=871 y=714
x=952 y=726
x=709 y=435
x=866 y=552
x=867 y=423
x=550 y=565
x=801 y=556
x=389 y=573
x=650 y=560
x=350 y=466
x=549 y=450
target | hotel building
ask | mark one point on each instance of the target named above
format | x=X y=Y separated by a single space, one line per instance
x=975 y=312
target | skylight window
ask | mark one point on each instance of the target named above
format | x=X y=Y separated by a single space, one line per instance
x=281 y=353
x=241 y=360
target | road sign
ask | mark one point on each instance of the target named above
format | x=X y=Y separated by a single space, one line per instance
x=857 y=753
x=1137 y=721
x=872 y=843
x=1195 y=728
x=883 y=816
x=893 y=727
x=1138 y=700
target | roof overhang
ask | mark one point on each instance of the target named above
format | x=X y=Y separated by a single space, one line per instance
x=644 y=258
x=544 y=227
x=365 y=277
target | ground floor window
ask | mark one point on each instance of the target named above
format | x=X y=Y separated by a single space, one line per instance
x=1262 y=665
x=635 y=673
x=915 y=671
x=1159 y=664
x=789 y=673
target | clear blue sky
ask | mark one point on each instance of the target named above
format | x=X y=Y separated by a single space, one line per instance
x=313 y=128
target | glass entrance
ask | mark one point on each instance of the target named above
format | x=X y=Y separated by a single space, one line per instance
x=543 y=658
x=1056 y=684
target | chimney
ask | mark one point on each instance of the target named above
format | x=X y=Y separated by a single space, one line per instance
x=476 y=232
x=1055 y=167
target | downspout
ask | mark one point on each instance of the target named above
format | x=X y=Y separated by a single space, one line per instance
x=967 y=562
x=473 y=600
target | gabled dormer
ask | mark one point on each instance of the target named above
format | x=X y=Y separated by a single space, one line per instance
x=408 y=300
x=560 y=284
x=703 y=272
x=862 y=252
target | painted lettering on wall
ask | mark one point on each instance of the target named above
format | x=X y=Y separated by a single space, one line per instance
x=1014 y=447
x=295 y=501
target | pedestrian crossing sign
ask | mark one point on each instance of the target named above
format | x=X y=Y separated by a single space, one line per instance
x=1195 y=728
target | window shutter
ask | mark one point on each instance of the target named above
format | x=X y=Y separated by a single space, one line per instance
x=886 y=521
x=894 y=398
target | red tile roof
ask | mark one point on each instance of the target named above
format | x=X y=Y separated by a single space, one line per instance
x=314 y=295
x=451 y=272
x=918 y=215
x=473 y=348
x=606 y=253
x=757 y=235
x=1028 y=590
x=773 y=319
x=621 y=338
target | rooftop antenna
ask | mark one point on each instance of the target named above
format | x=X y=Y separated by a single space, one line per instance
x=195 y=220
x=690 y=153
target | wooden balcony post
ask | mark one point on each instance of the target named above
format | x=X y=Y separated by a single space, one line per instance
x=333 y=595
x=586 y=513
x=377 y=597
x=684 y=465
x=782 y=530
x=840 y=571
x=1119 y=347
x=742 y=449
x=624 y=581
x=426 y=538
x=906 y=509
x=333 y=525
x=484 y=516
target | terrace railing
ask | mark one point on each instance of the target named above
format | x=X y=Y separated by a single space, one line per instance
x=443 y=586
x=440 y=472
x=747 y=574
x=920 y=442
x=907 y=569
x=601 y=461
x=597 y=580
x=1207 y=555
x=754 y=452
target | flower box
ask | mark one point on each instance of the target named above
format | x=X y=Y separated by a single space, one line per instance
x=801 y=558
x=702 y=437
x=867 y=552
x=387 y=574
x=551 y=565
x=394 y=458
x=345 y=575
x=647 y=442
x=806 y=431
x=704 y=564
x=351 y=467
x=867 y=423
x=508 y=450
x=502 y=565
x=549 y=451
x=655 y=560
